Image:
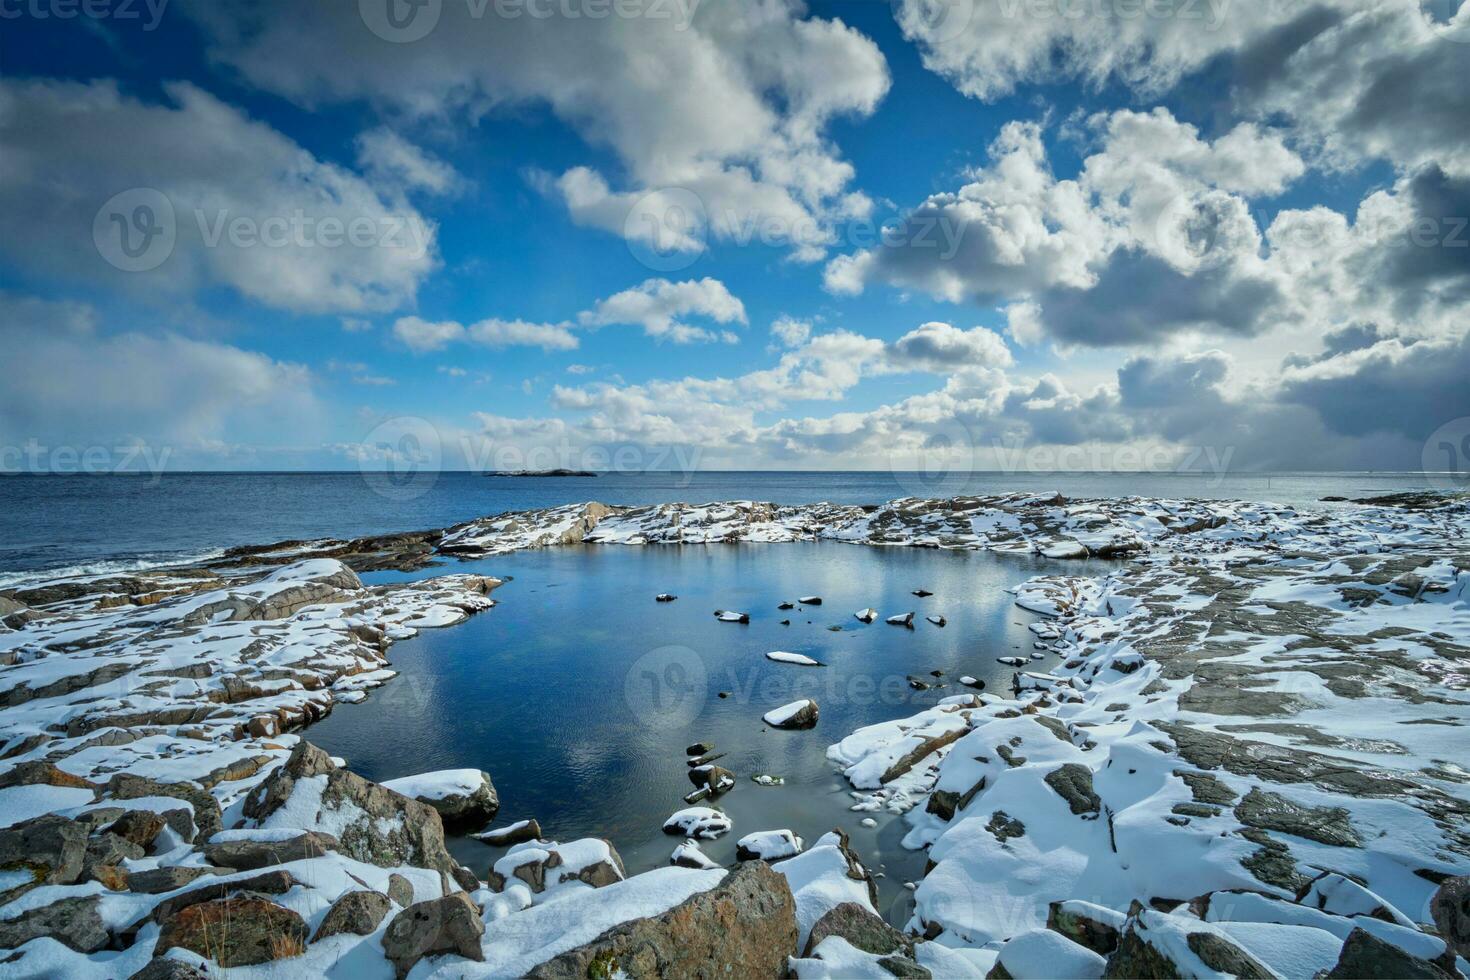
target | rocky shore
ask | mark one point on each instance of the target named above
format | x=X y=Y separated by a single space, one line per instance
x=1245 y=756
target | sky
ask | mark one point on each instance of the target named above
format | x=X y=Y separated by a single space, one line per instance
x=660 y=234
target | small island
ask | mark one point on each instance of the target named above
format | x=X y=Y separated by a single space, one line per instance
x=542 y=473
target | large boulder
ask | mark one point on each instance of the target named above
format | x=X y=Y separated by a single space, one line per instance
x=356 y=912
x=1451 y=910
x=1086 y=924
x=1365 y=955
x=450 y=924
x=249 y=855
x=862 y=928
x=72 y=921
x=372 y=824
x=49 y=848
x=1037 y=954
x=463 y=797
x=239 y=931
x=744 y=927
x=1156 y=946
x=205 y=811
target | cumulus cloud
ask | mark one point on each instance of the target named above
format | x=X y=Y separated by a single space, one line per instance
x=943 y=348
x=659 y=307
x=395 y=162
x=231 y=203
x=69 y=382
x=729 y=103
x=422 y=336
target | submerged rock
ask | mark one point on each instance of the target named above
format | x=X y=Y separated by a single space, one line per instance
x=797 y=714
x=744 y=927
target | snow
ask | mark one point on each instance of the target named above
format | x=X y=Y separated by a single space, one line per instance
x=1040 y=954
x=771 y=845
x=438 y=785
x=20 y=803
x=780 y=716
x=781 y=656
x=698 y=821
x=819 y=883
x=690 y=852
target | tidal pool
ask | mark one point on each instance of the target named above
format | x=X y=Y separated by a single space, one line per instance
x=579 y=693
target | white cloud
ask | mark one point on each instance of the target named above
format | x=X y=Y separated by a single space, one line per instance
x=422 y=336
x=943 y=348
x=660 y=306
x=791 y=332
x=393 y=161
x=251 y=210
x=731 y=106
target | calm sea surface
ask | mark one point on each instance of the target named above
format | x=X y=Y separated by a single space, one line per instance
x=52 y=525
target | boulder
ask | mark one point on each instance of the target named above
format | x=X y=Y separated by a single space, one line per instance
x=450 y=924
x=516 y=833
x=41 y=774
x=104 y=860
x=167 y=968
x=1073 y=783
x=1040 y=953
x=591 y=860
x=797 y=714
x=140 y=827
x=400 y=890
x=72 y=921
x=1144 y=949
x=357 y=912
x=463 y=797
x=267 y=883
x=860 y=927
x=160 y=880
x=1365 y=955
x=206 y=817
x=744 y=927
x=1451 y=910
x=372 y=824
x=250 y=855
x=239 y=931
x=49 y=847
x=1272 y=811
x=1093 y=926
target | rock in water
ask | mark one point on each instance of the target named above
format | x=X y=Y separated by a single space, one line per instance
x=938 y=620
x=865 y=615
x=450 y=924
x=463 y=797
x=690 y=855
x=698 y=821
x=373 y=824
x=1451 y=910
x=905 y=619
x=726 y=616
x=744 y=927
x=811 y=600
x=922 y=593
x=238 y=931
x=768 y=845
x=516 y=833
x=797 y=714
x=665 y=597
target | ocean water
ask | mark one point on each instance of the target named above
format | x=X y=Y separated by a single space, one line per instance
x=579 y=693
x=54 y=525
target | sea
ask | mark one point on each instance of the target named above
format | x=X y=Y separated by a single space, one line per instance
x=57 y=525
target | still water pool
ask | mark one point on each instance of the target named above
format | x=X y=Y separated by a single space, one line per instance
x=579 y=693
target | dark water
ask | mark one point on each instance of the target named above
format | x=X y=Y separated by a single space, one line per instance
x=578 y=693
x=93 y=523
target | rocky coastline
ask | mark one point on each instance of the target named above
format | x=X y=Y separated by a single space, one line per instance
x=1245 y=756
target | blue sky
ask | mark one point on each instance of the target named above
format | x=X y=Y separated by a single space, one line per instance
x=1119 y=240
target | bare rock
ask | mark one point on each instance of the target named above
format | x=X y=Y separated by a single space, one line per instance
x=238 y=931
x=160 y=880
x=744 y=927
x=207 y=818
x=72 y=921
x=400 y=890
x=1451 y=910
x=860 y=927
x=140 y=827
x=358 y=913
x=1365 y=955
x=249 y=855
x=450 y=924
x=51 y=848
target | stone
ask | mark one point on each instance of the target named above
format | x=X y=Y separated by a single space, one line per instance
x=159 y=880
x=860 y=927
x=743 y=927
x=474 y=809
x=72 y=921
x=104 y=860
x=1092 y=926
x=250 y=855
x=450 y=924
x=166 y=968
x=1073 y=783
x=516 y=833
x=1004 y=826
x=804 y=716
x=383 y=827
x=267 y=883
x=400 y=890
x=41 y=774
x=207 y=819
x=239 y=931
x=358 y=913
x=140 y=827
x=1365 y=955
x=1138 y=958
x=51 y=848
x=1272 y=811
x=1450 y=908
